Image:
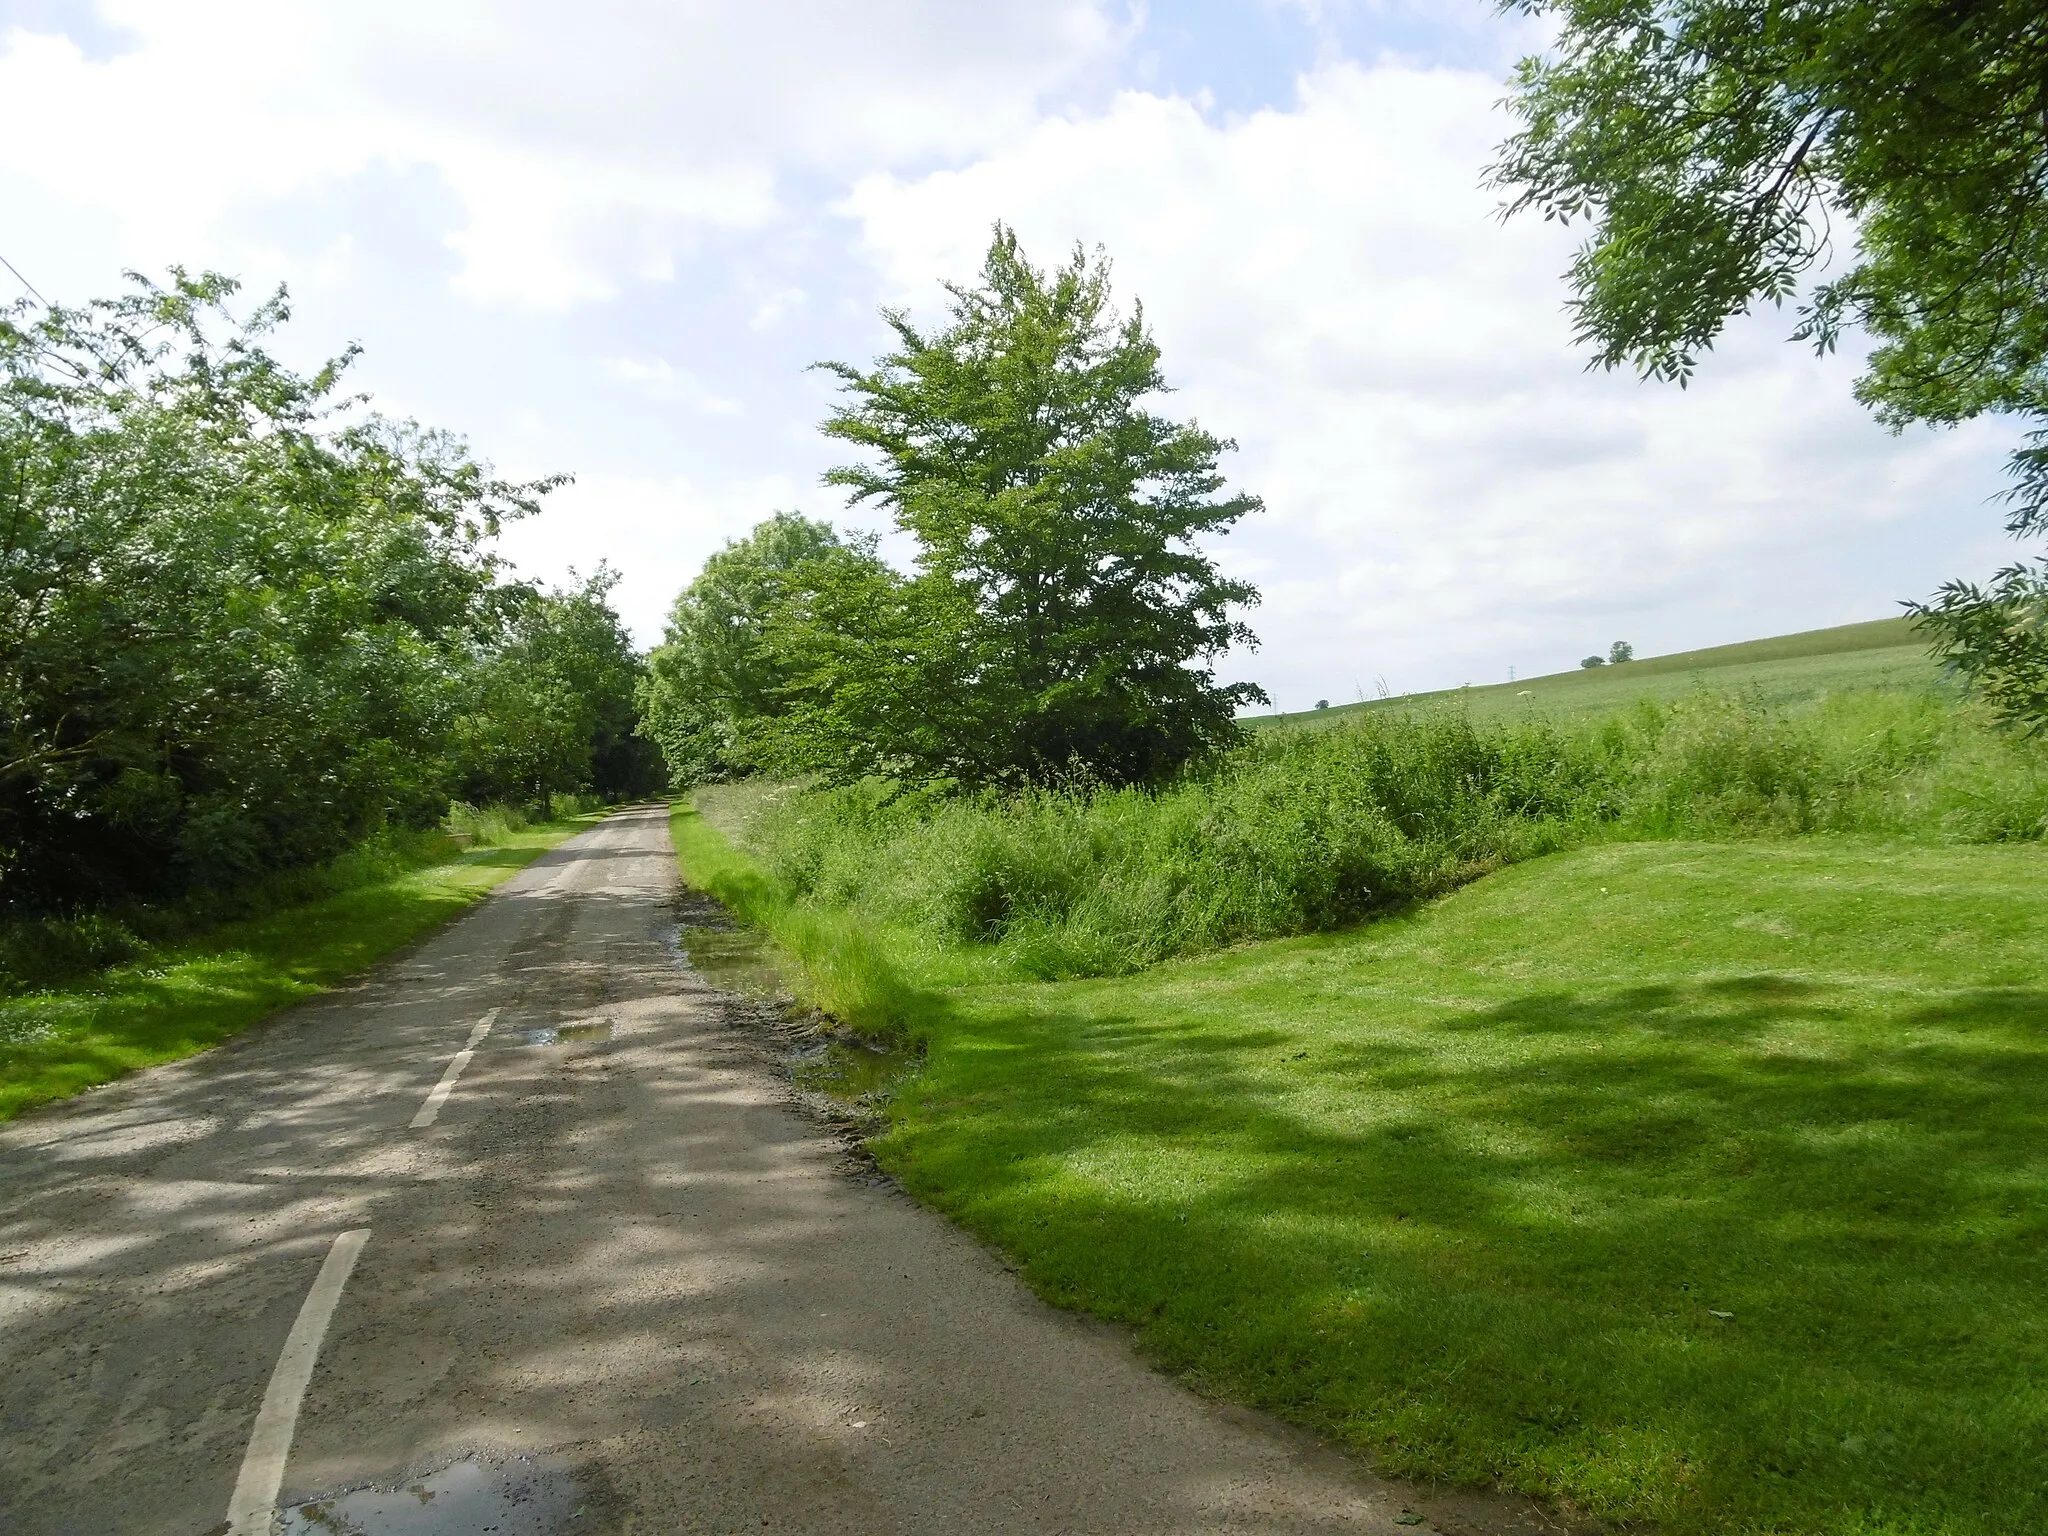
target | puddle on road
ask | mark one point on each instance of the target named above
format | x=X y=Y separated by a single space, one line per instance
x=521 y=1496
x=826 y=1066
x=728 y=956
x=571 y=1034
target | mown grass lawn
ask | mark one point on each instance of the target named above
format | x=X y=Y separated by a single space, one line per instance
x=58 y=1042
x=1699 y=1184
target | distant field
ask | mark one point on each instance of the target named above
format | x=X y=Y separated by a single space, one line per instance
x=1789 y=669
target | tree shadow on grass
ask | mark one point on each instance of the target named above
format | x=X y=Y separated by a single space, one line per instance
x=1756 y=1248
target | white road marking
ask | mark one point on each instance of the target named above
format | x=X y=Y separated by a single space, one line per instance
x=446 y=1086
x=251 y=1510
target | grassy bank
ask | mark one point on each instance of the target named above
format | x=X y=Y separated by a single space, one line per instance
x=1306 y=831
x=1697 y=1184
x=196 y=990
x=834 y=961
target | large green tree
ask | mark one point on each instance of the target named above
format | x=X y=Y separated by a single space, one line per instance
x=1727 y=151
x=1063 y=616
x=239 y=617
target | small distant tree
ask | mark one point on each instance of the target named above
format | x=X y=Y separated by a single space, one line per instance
x=1062 y=617
x=1591 y=662
x=1620 y=651
x=714 y=683
x=1322 y=703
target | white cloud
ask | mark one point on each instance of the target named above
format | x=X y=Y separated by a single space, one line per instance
x=661 y=380
x=775 y=307
x=578 y=149
x=1448 y=489
x=656 y=530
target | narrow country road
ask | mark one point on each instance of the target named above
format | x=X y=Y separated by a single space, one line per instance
x=530 y=1227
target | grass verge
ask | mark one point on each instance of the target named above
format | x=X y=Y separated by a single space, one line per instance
x=59 y=1041
x=1696 y=1184
x=836 y=963
x=1699 y=1185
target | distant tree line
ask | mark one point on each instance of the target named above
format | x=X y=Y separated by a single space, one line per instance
x=244 y=621
x=1060 y=621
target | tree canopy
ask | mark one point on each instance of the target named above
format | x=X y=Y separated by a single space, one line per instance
x=1721 y=147
x=241 y=617
x=1062 y=616
x=715 y=680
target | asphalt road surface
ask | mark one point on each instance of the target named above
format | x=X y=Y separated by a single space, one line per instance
x=521 y=1234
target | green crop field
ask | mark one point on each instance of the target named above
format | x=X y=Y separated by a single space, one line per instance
x=1789 y=669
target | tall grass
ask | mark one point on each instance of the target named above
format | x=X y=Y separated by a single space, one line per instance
x=1300 y=831
x=489 y=826
x=840 y=964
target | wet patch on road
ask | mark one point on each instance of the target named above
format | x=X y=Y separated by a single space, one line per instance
x=731 y=957
x=518 y=1496
x=833 y=1079
x=572 y=1034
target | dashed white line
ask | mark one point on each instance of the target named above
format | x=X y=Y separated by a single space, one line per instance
x=446 y=1086
x=255 y=1500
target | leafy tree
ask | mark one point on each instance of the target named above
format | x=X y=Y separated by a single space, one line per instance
x=713 y=684
x=1710 y=141
x=1590 y=662
x=883 y=675
x=1715 y=145
x=1061 y=615
x=233 y=626
x=1999 y=638
x=551 y=706
x=1620 y=652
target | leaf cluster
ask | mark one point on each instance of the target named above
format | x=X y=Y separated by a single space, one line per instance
x=1997 y=636
x=1716 y=144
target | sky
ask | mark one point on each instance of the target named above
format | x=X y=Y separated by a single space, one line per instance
x=609 y=239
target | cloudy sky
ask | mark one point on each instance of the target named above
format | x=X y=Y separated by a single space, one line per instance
x=608 y=238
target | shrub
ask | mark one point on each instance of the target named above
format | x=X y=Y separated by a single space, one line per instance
x=1293 y=832
x=483 y=826
x=43 y=951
